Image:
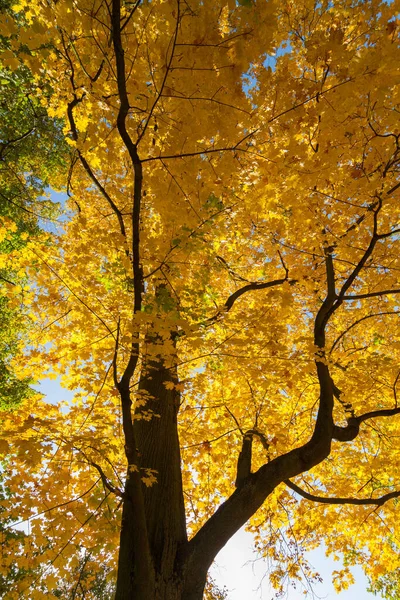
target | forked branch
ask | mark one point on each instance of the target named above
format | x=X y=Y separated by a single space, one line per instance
x=348 y=433
x=243 y=469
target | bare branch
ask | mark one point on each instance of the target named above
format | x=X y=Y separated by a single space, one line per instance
x=371 y=294
x=327 y=500
x=234 y=148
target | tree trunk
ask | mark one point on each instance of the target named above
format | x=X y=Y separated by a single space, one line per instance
x=156 y=435
x=158 y=445
x=156 y=560
x=135 y=578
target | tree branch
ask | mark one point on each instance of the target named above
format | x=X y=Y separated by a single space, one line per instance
x=134 y=498
x=132 y=151
x=348 y=433
x=256 y=285
x=326 y=500
x=368 y=252
x=61 y=505
x=335 y=343
x=205 y=99
x=319 y=94
x=6 y=144
x=167 y=70
x=106 y=481
x=234 y=148
x=74 y=132
x=371 y=294
x=253 y=286
x=243 y=468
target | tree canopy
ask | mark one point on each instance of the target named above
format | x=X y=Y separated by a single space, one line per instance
x=223 y=298
x=31 y=147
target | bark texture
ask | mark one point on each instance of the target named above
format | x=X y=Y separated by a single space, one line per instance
x=158 y=446
x=158 y=454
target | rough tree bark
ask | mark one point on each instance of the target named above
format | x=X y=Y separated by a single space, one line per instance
x=156 y=434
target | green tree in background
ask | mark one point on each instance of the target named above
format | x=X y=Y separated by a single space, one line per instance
x=31 y=149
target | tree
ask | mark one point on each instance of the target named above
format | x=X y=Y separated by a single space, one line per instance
x=224 y=300
x=31 y=146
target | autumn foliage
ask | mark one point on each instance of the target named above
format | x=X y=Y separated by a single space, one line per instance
x=222 y=296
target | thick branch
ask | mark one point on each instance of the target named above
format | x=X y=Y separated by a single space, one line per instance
x=356 y=271
x=333 y=301
x=253 y=488
x=348 y=433
x=327 y=500
x=252 y=286
x=329 y=304
x=243 y=503
x=243 y=468
x=330 y=273
x=123 y=385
